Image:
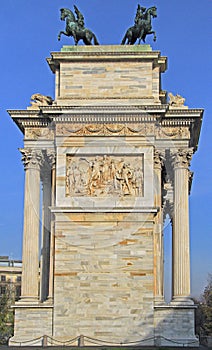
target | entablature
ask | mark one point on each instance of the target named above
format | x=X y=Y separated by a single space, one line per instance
x=157 y=120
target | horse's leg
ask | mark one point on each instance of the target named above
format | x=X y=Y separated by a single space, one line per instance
x=133 y=40
x=75 y=38
x=124 y=39
x=87 y=38
x=153 y=32
x=140 y=36
x=95 y=39
x=64 y=33
x=155 y=37
x=130 y=38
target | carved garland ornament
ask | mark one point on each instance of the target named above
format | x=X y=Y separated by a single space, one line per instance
x=39 y=133
x=105 y=129
x=103 y=175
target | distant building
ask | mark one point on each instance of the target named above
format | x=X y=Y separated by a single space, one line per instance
x=10 y=276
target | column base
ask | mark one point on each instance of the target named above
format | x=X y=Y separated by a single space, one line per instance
x=176 y=342
x=174 y=325
x=32 y=322
x=159 y=300
x=28 y=300
x=182 y=300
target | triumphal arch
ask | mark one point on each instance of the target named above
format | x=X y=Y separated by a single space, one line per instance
x=112 y=152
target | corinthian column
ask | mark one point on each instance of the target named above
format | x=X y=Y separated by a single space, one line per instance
x=32 y=160
x=158 y=234
x=180 y=240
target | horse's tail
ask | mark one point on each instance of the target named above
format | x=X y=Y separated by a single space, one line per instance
x=95 y=40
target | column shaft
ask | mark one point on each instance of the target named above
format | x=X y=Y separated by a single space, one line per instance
x=30 y=267
x=52 y=237
x=180 y=240
x=158 y=237
x=46 y=232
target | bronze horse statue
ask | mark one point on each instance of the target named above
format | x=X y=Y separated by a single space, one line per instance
x=75 y=27
x=142 y=27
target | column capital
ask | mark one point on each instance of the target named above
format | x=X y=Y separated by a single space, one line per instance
x=182 y=158
x=51 y=156
x=32 y=158
x=159 y=158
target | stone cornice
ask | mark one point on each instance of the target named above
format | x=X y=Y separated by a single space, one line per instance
x=29 y=118
x=167 y=115
x=167 y=123
x=106 y=53
x=62 y=210
x=105 y=109
x=177 y=113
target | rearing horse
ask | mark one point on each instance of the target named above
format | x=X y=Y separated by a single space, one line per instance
x=76 y=28
x=141 y=29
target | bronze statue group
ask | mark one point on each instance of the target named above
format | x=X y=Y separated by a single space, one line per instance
x=75 y=26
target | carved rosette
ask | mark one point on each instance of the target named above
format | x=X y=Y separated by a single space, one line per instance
x=182 y=158
x=32 y=159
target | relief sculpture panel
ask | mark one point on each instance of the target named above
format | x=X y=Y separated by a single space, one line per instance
x=104 y=175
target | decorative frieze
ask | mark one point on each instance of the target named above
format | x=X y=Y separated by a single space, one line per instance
x=103 y=129
x=172 y=132
x=103 y=175
x=39 y=133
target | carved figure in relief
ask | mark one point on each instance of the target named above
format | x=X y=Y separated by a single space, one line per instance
x=139 y=179
x=104 y=175
x=70 y=179
x=113 y=174
x=105 y=171
x=77 y=179
x=95 y=175
x=124 y=176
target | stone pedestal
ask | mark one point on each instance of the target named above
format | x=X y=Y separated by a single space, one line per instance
x=108 y=142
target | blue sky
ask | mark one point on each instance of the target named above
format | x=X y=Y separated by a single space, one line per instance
x=29 y=32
